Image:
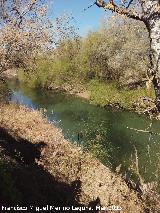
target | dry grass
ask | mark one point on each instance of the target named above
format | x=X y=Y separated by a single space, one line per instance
x=68 y=163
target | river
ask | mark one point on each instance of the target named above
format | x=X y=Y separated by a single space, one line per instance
x=108 y=134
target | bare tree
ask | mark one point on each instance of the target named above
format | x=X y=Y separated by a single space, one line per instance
x=147 y=11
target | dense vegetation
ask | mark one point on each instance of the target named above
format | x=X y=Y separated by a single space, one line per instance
x=111 y=63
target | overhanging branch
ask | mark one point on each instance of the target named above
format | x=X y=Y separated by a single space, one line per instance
x=120 y=10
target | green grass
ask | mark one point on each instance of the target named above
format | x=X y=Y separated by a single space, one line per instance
x=104 y=94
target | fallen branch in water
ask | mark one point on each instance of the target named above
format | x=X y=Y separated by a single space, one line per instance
x=143 y=131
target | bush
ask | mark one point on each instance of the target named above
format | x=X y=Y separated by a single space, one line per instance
x=116 y=52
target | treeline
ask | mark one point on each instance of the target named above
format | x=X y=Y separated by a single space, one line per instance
x=116 y=52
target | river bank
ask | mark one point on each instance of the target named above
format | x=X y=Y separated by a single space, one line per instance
x=66 y=163
x=136 y=98
x=130 y=96
x=103 y=94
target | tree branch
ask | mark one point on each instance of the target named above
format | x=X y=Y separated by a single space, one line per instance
x=120 y=10
x=130 y=2
x=24 y=13
x=144 y=131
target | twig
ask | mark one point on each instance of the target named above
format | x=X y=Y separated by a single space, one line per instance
x=88 y=7
x=137 y=166
x=143 y=131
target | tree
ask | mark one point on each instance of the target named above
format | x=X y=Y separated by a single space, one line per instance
x=147 y=11
x=27 y=31
x=117 y=51
x=24 y=31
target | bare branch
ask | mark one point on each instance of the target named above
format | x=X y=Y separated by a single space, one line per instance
x=130 y=2
x=120 y=10
x=143 y=131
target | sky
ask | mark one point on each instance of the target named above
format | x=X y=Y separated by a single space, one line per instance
x=84 y=20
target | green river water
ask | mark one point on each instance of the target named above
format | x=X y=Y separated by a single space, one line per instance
x=106 y=133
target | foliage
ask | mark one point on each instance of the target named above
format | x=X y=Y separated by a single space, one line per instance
x=109 y=94
x=28 y=32
x=49 y=74
x=24 y=31
x=117 y=52
x=127 y=46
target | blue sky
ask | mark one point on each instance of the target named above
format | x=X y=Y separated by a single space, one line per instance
x=84 y=20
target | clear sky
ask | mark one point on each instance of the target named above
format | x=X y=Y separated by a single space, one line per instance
x=84 y=20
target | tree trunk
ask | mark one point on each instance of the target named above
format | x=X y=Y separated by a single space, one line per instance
x=154 y=32
x=151 y=10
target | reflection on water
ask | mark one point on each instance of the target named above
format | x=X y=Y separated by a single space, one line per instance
x=103 y=131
